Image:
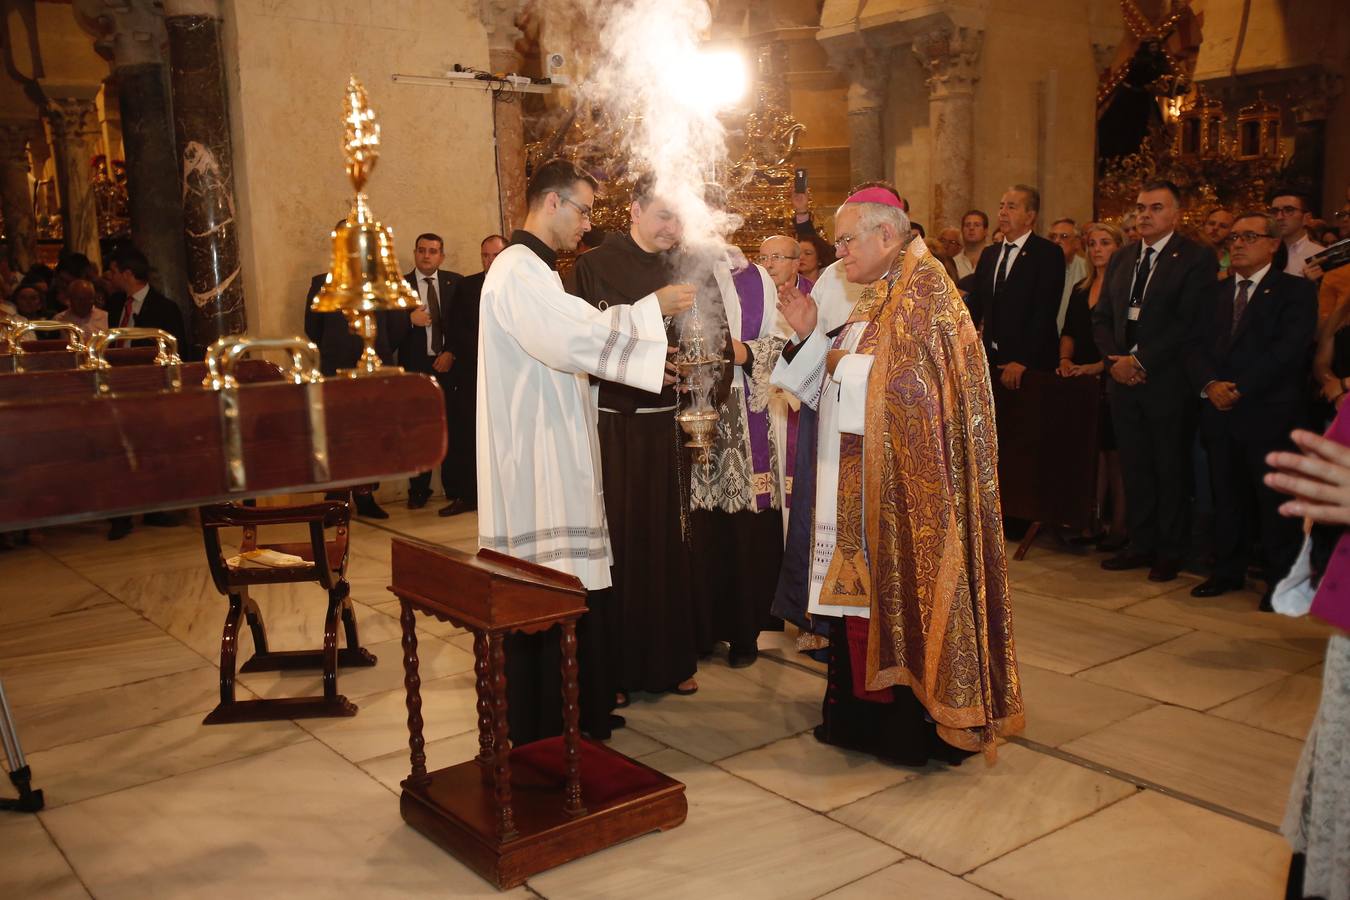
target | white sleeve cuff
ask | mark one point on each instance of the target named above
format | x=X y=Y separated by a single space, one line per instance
x=851 y=373
x=647 y=316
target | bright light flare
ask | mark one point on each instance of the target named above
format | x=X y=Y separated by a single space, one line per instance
x=709 y=80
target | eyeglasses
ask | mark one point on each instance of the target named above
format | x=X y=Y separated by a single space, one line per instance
x=1247 y=237
x=1285 y=210
x=584 y=210
x=765 y=258
x=844 y=241
x=1060 y=238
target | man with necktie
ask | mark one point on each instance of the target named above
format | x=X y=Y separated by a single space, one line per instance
x=424 y=348
x=1018 y=284
x=1143 y=325
x=1251 y=367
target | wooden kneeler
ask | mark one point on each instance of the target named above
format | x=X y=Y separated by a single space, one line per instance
x=326 y=565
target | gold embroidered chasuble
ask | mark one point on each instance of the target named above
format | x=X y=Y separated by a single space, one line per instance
x=925 y=552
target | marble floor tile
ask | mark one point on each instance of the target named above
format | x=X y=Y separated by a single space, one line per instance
x=112 y=762
x=297 y=822
x=1225 y=763
x=38 y=586
x=1200 y=670
x=84 y=651
x=1068 y=637
x=391 y=768
x=33 y=866
x=912 y=879
x=78 y=717
x=147 y=549
x=960 y=818
x=186 y=604
x=633 y=743
x=1063 y=707
x=380 y=726
x=739 y=841
x=733 y=712
x=436 y=659
x=1090 y=584
x=1234 y=615
x=817 y=776
x=1145 y=847
x=1286 y=707
x=782 y=645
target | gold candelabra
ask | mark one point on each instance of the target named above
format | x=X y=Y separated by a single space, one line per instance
x=365 y=277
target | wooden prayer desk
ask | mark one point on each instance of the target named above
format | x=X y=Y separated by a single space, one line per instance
x=512 y=812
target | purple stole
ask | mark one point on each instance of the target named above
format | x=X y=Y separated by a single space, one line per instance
x=750 y=290
x=804 y=285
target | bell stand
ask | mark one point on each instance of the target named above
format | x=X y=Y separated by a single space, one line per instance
x=20 y=775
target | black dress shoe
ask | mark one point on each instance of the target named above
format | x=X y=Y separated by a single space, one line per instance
x=118 y=529
x=1123 y=562
x=740 y=659
x=1266 y=601
x=454 y=508
x=1216 y=585
x=418 y=500
x=367 y=507
x=1164 y=570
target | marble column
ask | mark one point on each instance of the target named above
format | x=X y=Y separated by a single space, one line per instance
x=75 y=127
x=133 y=39
x=205 y=168
x=868 y=71
x=951 y=57
x=508 y=123
x=16 y=203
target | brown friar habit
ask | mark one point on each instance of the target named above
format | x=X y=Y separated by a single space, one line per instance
x=934 y=575
x=651 y=636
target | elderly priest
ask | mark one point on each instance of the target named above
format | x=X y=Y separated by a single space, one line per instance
x=908 y=566
x=539 y=491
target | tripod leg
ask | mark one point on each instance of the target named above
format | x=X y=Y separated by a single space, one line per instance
x=20 y=775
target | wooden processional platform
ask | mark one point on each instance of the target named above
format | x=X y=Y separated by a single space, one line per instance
x=512 y=812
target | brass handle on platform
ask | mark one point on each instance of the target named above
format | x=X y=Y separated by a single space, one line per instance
x=167 y=343
x=74 y=343
x=224 y=355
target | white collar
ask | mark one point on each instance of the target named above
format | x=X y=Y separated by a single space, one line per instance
x=1254 y=278
x=1157 y=246
x=420 y=277
x=138 y=298
x=1020 y=242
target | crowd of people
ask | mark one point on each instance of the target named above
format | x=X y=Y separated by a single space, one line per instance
x=1212 y=343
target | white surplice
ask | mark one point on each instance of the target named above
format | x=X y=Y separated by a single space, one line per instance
x=539 y=485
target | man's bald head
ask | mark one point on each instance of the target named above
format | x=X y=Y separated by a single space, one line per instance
x=779 y=255
x=80 y=295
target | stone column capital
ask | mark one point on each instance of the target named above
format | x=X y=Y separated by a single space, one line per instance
x=1316 y=95
x=127 y=32
x=868 y=70
x=72 y=118
x=14 y=137
x=951 y=57
x=500 y=19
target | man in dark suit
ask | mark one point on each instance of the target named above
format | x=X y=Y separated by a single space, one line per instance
x=1017 y=289
x=1143 y=324
x=461 y=335
x=138 y=304
x=141 y=306
x=1251 y=365
x=339 y=349
x=424 y=347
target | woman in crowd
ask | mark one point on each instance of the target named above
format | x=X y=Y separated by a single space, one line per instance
x=816 y=254
x=1078 y=355
x=1331 y=364
x=1317 y=819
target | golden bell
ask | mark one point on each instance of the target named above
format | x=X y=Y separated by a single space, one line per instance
x=365 y=277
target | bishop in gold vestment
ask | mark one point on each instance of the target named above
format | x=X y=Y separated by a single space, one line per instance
x=909 y=576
